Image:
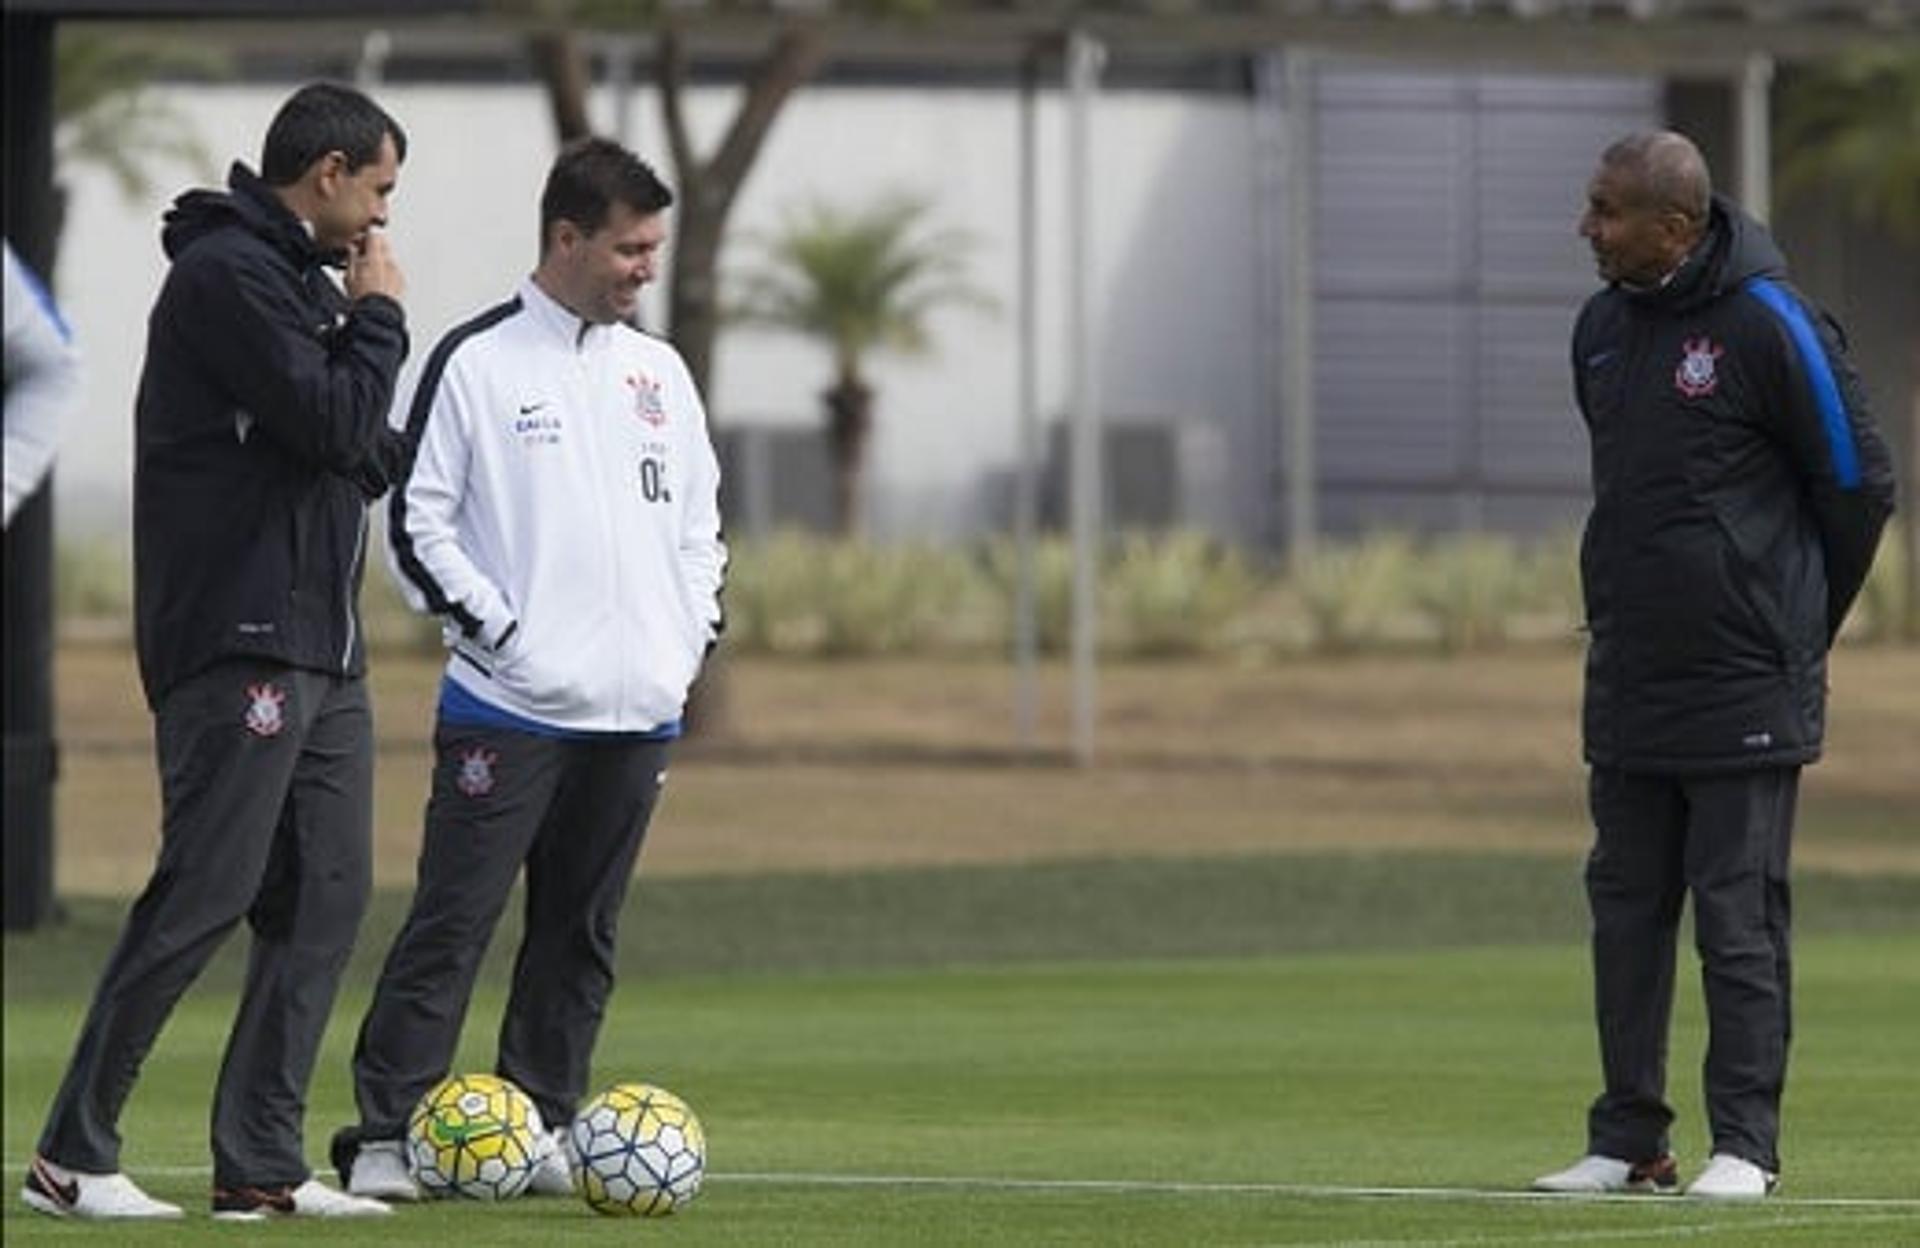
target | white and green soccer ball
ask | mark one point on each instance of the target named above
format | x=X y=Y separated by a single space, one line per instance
x=637 y=1150
x=473 y=1136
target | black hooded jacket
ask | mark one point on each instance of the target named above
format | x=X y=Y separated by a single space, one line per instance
x=1739 y=492
x=261 y=434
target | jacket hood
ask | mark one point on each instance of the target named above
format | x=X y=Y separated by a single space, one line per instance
x=1734 y=250
x=248 y=203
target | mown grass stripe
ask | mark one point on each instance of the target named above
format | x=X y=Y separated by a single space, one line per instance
x=1180 y=1187
x=1041 y=912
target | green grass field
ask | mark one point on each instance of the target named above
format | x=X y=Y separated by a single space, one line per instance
x=1305 y=1050
x=1300 y=962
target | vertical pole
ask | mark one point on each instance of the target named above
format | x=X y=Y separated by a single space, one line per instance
x=1084 y=58
x=1299 y=440
x=371 y=70
x=1269 y=215
x=1026 y=640
x=31 y=760
x=1754 y=121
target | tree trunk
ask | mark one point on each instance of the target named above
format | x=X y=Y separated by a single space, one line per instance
x=709 y=187
x=562 y=66
x=693 y=303
x=849 y=406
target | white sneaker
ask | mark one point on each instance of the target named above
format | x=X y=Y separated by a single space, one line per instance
x=312 y=1199
x=553 y=1172
x=379 y=1172
x=1594 y=1174
x=1732 y=1178
x=66 y=1193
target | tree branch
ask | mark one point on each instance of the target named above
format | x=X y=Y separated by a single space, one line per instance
x=790 y=62
x=673 y=86
x=560 y=63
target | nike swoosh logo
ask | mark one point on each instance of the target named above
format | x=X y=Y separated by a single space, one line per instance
x=68 y=1193
x=528 y=409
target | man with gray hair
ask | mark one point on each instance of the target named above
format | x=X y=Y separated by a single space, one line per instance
x=1739 y=490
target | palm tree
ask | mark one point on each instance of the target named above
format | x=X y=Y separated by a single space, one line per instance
x=108 y=118
x=859 y=281
x=1851 y=127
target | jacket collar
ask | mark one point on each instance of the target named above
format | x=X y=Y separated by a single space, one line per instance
x=553 y=317
x=264 y=212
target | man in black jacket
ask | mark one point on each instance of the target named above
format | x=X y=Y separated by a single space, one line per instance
x=1740 y=488
x=260 y=438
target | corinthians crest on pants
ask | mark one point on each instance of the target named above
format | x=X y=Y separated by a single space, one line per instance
x=264 y=717
x=1696 y=377
x=476 y=771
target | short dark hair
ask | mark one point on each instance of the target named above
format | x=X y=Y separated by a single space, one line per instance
x=588 y=177
x=324 y=117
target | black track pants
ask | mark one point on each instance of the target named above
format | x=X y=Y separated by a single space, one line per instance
x=266 y=780
x=1724 y=839
x=575 y=813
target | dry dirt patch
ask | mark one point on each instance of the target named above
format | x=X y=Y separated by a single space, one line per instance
x=911 y=762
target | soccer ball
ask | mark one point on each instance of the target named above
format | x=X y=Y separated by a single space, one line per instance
x=637 y=1149
x=475 y=1136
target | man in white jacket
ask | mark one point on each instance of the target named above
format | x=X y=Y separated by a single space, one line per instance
x=43 y=376
x=561 y=517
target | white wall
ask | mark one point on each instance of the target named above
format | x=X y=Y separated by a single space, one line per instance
x=1172 y=248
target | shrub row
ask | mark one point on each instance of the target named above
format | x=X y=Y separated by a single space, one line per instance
x=1177 y=595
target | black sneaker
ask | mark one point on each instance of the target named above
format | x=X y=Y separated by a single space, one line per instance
x=312 y=1199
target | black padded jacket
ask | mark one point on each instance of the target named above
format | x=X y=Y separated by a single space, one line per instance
x=1739 y=491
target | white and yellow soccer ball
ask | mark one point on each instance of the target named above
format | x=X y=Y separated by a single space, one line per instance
x=637 y=1149
x=475 y=1136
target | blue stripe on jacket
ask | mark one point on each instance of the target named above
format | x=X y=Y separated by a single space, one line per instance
x=460 y=705
x=43 y=297
x=1826 y=391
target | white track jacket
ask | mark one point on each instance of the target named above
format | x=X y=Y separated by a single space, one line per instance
x=562 y=516
x=43 y=378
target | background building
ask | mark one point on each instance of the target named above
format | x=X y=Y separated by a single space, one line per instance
x=1446 y=273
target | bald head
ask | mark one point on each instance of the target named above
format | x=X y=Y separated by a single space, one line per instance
x=1647 y=207
x=1665 y=171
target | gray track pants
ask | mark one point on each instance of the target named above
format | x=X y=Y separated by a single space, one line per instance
x=575 y=813
x=1726 y=840
x=266 y=784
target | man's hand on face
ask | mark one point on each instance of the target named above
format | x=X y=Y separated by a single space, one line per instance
x=372 y=270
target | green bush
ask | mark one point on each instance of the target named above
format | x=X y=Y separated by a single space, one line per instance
x=802 y=595
x=1468 y=587
x=1878 y=612
x=1174 y=595
x=1551 y=603
x=1052 y=589
x=93 y=580
x=1354 y=594
x=389 y=621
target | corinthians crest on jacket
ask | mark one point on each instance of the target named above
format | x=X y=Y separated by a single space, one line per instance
x=648 y=404
x=1696 y=377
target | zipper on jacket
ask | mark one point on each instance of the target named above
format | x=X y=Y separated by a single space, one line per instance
x=353 y=576
x=593 y=370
